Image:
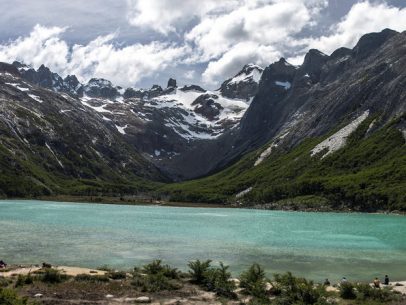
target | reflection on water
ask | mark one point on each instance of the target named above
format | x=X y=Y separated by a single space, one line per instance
x=315 y=245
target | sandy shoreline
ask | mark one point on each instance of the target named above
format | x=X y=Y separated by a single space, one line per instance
x=71 y=271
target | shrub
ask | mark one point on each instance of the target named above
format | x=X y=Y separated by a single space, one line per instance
x=292 y=290
x=117 y=275
x=91 y=278
x=156 y=267
x=157 y=282
x=253 y=281
x=218 y=279
x=347 y=291
x=366 y=292
x=197 y=270
x=10 y=297
x=24 y=280
x=156 y=277
x=53 y=276
x=4 y=282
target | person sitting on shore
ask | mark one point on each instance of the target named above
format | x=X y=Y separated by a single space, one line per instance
x=386 y=281
x=2 y=264
x=344 y=280
x=326 y=282
x=377 y=283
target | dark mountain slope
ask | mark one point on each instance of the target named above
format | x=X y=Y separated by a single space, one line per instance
x=294 y=103
x=50 y=143
x=367 y=174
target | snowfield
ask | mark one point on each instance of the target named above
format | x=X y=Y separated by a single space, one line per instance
x=339 y=139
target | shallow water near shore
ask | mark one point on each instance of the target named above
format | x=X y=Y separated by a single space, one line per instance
x=314 y=245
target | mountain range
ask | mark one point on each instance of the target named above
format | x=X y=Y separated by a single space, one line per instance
x=330 y=132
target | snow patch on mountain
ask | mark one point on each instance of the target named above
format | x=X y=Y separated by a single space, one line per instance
x=36 y=98
x=121 y=129
x=18 y=86
x=285 y=85
x=253 y=73
x=339 y=139
x=53 y=153
x=231 y=111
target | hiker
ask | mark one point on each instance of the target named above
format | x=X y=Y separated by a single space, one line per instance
x=326 y=282
x=2 y=264
x=386 y=281
x=377 y=283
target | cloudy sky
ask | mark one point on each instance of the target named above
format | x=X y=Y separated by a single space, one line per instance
x=144 y=42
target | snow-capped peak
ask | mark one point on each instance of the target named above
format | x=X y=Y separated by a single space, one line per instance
x=250 y=73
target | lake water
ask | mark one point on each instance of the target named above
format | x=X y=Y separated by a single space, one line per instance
x=315 y=245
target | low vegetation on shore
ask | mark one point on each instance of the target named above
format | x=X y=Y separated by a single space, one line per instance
x=204 y=283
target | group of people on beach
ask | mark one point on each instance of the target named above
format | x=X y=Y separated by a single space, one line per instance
x=376 y=282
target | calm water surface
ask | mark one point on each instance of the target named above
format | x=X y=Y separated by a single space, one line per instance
x=315 y=245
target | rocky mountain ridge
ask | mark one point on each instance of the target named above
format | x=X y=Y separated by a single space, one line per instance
x=178 y=133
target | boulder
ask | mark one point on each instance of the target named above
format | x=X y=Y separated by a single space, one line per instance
x=143 y=300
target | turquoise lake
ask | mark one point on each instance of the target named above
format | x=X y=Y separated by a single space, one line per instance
x=315 y=245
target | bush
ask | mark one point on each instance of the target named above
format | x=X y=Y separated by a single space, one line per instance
x=10 y=297
x=24 y=280
x=156 y=277
x=157 y=282
x=253 y=281
x=197 y=270
x=366 y=292
x=156 y=267
x=347 y=291
x=91 y=278
x=4 y=282
x=53 y=276
x=218 y=279
x=117 y=275
x=292 y=290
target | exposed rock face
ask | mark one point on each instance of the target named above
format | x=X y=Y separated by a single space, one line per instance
x=73 y=86
x=207 y=106
x=98 y=87
x=43 y=77
x=192 y=88
x=172 y=83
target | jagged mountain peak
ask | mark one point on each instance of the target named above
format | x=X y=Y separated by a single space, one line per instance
x=368 y=43
x=172 y=83
x=244 y=84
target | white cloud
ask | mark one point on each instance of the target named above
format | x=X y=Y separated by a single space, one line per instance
x=189 y=74
x=256 y=31
x=218 y=36
x=126 y=65
x=99 y=58
x=240 y=55
x=364 y=17
x=42 y=46
x=167 y=16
